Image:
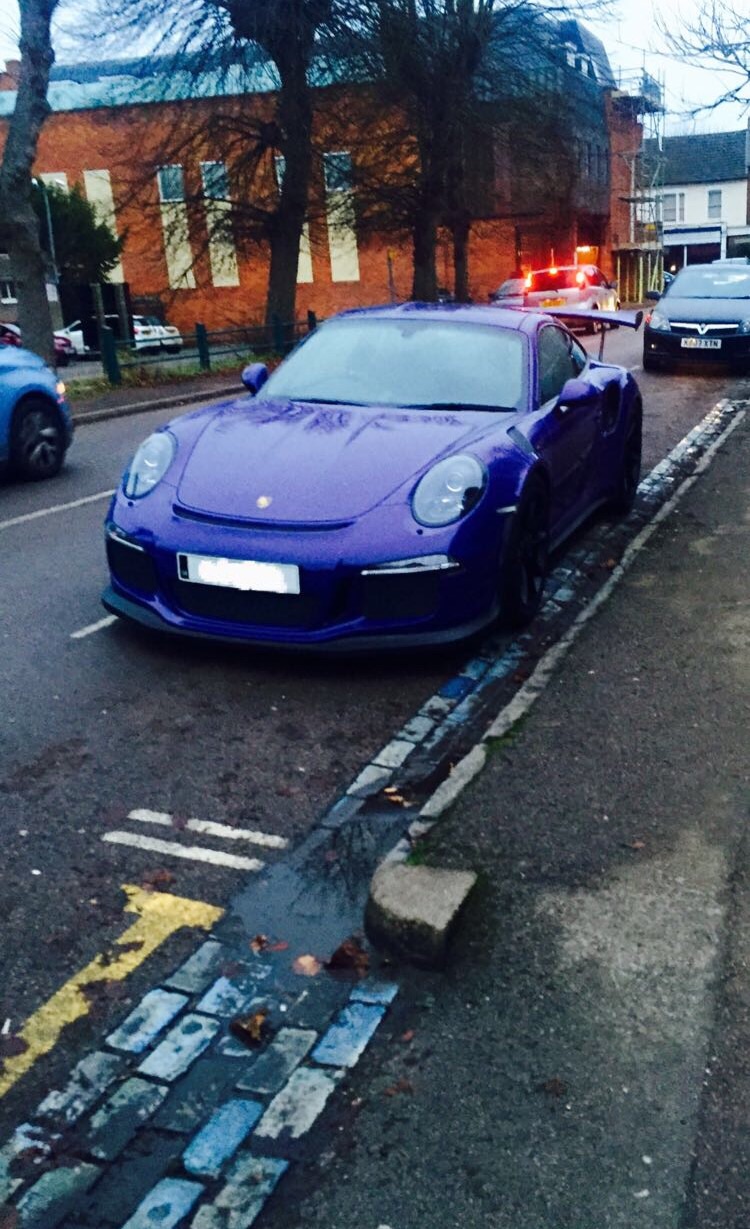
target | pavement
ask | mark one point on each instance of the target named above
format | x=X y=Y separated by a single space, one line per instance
x=579 y=1061
x=118 y=402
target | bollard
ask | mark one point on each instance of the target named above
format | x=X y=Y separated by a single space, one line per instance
x=201 y=340
x=109 y=356
x=312 y=321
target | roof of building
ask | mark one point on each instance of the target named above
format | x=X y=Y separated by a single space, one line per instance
x=703 y=157
x=169 y=78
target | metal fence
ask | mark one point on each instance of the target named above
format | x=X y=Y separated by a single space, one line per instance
x=204 y=349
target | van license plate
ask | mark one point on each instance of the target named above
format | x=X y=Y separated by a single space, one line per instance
x=701 y=343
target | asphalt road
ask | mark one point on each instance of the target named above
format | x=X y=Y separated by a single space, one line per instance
x=94 y=727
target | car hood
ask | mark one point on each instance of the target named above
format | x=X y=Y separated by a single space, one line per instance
x=297 y=462
x=704 y=309
x=17 y=356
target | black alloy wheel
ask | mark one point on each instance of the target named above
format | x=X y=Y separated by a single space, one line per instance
x=630 y=464
x=37 y=443
x=524 y=566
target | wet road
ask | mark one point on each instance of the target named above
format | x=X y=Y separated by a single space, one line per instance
x=97 y=727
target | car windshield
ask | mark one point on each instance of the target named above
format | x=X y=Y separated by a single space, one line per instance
x=557 y=279
x=514 y=286
x=711 y=282
x=404 y=362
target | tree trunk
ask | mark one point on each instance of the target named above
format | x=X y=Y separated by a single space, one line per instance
x=19 y=230
x=424 y=241
x=295 y=119
x=460 y=232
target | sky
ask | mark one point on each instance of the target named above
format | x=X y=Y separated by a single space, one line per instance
x=632 y=41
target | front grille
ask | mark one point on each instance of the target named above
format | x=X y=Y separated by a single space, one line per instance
x=716 y=328
x=411 y=596
x=133 y=568
x=236 y=606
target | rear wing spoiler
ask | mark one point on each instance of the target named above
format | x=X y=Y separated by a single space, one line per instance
x=630 y=320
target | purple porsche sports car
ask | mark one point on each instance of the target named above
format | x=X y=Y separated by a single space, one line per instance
x=399 y=479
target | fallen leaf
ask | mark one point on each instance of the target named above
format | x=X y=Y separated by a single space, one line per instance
x=408 y=1035
x=390 y=789
x=350 y=955
x=11 y=1045
x=520 y=676
x=397 y=800
x=259 y=943
x=232 y=968
x=307 y=966
x=179 y=822
x=281 y=946
x=402 y=1085
x=636 y=844
x=155 y=880
x=251 y=1029
x=609 y=563
x=554 y=1087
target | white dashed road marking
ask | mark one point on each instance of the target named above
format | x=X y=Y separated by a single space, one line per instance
x=75 y=503
x=209 y=828
x=93 y=627
x=195 y=853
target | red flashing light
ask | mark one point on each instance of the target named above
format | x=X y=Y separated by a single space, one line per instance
x=581 y=278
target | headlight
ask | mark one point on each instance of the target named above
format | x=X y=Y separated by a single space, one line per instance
x=744 y=326
x=149 y=465
x=659 y=322
x=448 y=491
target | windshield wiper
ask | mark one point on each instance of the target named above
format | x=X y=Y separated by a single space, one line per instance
x=459 y=405
x=326 y=401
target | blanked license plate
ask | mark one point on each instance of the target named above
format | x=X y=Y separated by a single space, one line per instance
x=249 y=575
x=701 y=343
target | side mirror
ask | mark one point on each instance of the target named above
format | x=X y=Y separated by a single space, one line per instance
x=575 y=392
x=254 y=377
x=653 y=296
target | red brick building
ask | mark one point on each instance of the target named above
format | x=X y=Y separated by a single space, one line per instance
x=111 y=124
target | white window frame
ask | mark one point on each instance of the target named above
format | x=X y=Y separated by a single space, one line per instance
x=713 y=207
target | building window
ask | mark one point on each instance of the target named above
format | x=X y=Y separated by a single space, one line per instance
x=215 y=181
x=7 y=291
x=673 y=207
x=714 y=202
x=337 y=170
x=171 y=183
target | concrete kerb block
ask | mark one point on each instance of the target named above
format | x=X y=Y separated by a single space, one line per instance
x=414 y=909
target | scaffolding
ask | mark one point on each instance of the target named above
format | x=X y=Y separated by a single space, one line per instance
x=639 y=260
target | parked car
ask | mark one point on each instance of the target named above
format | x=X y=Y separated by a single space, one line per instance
x=583 y=287
x=400 y=479
x=35 y=423
x=512 y=293
x=702 y=316
x=151 y=333
x=74 y=334
x=10 y=335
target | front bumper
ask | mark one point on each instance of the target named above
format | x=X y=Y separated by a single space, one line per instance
x=668 y=348
x=342 y=603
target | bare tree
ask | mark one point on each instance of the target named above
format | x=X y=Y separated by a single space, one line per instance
x=19 y=225
x=718 y=37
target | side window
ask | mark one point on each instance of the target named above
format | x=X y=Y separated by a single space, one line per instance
x=560 y=358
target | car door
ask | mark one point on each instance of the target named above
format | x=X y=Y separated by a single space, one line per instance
x=565 y=437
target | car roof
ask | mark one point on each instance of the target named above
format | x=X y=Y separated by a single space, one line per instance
x=463 y=313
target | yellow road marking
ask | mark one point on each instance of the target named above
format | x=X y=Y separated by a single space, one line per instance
x=159 y=916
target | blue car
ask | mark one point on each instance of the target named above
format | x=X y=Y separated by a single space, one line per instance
x=400 y=479
x=36 y=427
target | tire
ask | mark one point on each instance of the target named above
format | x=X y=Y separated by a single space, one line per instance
x=650 y=363
x=523 y=568
x=630 y=465
x=37 y=446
